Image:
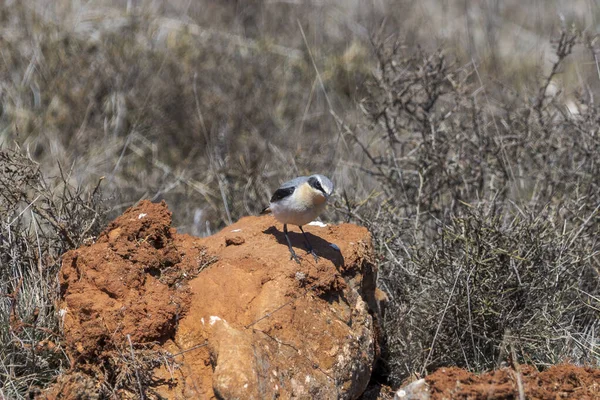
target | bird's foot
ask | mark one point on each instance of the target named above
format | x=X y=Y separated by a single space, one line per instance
x=294 y=257
x=310 y=250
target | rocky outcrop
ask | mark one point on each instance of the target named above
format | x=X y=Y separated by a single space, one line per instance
x=231 y=316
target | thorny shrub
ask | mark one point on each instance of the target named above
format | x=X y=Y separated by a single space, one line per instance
x=487 y=217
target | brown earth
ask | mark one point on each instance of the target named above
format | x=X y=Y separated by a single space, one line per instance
x=558 y=382
x=564 y=381
x=150 y=312
x=127 y=283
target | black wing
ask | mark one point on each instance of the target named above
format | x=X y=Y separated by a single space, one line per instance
x=282 y=193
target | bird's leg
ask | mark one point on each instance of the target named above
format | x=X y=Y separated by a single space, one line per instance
x=293 y=254
x=309 y=247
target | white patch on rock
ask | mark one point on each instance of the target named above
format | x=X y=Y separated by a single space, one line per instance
x=236 y=230
x=142 y=215
x=213 y=319
x=202 y=320
x=317 y=223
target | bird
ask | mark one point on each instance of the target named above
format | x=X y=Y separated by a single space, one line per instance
x=298 y=202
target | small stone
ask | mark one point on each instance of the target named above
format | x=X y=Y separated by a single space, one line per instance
x=234 y=240
x=417 y=390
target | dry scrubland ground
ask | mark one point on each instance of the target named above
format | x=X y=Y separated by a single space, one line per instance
x=475 y=168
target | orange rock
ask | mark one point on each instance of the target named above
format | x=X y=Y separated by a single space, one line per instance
x=276 y=328
x=273 y=328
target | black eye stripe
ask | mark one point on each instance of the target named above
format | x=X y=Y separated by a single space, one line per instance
x=319 y=187
x=316 y=184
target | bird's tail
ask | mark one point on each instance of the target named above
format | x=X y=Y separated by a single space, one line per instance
x=266 y=210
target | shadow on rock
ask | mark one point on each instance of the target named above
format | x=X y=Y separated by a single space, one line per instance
x=322 y=248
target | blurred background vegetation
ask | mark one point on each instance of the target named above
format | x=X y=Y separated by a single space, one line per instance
x=463 y=134
x=210 y=105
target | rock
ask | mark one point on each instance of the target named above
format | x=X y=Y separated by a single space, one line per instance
x=417 y=390
x=234 y=241
x=252 y=325
x=276 y=328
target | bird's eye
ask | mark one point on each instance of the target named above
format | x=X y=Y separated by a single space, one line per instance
x=319 y=187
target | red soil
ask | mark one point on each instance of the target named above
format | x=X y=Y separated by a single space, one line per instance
x=558 y=382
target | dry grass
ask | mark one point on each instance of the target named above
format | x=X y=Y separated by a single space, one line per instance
x=165 y=108
x=41 y=219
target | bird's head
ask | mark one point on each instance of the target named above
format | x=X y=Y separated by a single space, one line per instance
x=322 y=185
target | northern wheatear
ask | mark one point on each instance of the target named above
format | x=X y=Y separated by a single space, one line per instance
x=298 y=202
